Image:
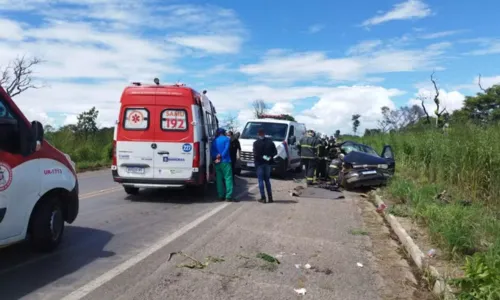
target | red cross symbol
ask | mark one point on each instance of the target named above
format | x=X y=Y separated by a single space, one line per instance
x=136 y=118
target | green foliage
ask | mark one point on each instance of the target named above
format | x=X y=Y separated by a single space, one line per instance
x=484 y=107
x=355 y=122
x=89 y=147
x=482 y=281
x=464 y=161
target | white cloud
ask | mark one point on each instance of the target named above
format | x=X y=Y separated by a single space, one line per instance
x=306 y=66
x=450 y=100
x=488 y=46
x=10 y=30
x=487 y=82
x=211 y=44
x=315 y=28
x=440 y=34
x=364 y=47
x=411 y=9
x=93 y=48
x=334 y=109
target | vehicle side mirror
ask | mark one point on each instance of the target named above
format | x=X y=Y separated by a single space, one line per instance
x=292 y=140
x=37 y=131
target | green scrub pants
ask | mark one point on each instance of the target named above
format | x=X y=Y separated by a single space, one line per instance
x=224 y=173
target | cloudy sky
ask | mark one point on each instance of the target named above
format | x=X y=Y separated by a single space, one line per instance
x=321 y=61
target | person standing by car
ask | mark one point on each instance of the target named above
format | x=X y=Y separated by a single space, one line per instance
x=222 y=158
x=308 y=148
x=233 y=150
x=264 y=150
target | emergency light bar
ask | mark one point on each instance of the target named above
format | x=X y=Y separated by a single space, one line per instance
x=276 y=117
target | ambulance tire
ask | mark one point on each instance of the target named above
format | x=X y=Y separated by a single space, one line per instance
x=47 y=224
x=130 y=190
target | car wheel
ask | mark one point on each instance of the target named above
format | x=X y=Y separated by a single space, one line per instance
x=237 y=171
x=298 y=169
x=131 y=190
x=47 y=225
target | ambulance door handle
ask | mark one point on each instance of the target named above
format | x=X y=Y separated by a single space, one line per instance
x=163 y=152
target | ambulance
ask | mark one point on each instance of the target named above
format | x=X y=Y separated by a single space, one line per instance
x=38 y=183
x=162 y=138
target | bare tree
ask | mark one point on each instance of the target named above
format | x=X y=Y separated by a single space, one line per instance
x=422 y=99
x=437 y=102
x=480 y=86
x=17 y=76
x=230 y=123
x=260 y=107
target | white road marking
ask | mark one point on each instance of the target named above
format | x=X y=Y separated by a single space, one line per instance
x=108 y=276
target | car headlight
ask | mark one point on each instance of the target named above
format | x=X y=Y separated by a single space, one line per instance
x=383 y=166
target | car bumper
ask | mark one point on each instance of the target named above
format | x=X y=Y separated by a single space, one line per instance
x=355 y=179
x=74 y=204
x=196 y=179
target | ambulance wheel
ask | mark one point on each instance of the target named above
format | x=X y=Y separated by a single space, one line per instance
x=47 y=225
x=130 y=190
x=298 y=169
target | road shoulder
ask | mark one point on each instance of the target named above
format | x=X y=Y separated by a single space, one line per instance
x=298 y=232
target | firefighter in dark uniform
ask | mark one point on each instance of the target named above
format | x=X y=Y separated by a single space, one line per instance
x=335 y=164
x=322 y=157
x=308 y=149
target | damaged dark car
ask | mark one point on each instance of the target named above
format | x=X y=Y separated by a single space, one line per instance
x=364 y=167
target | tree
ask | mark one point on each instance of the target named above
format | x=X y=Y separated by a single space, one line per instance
x=482 y=108
x=260 y=107
x=355 y=122
x=230 y=123
x=87 y=122
x=439 y=114
x=400 y=118
x=369 y=132
x=17 y=76
x=337 y=134
x=289 y=117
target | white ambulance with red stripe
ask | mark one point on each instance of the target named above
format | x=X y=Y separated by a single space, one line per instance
x=38 y=183
x=162 y=138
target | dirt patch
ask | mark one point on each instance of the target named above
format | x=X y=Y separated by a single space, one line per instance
x=398 y=275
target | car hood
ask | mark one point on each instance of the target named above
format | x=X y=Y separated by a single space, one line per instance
x=360 y=158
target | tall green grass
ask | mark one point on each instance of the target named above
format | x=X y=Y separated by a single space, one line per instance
x=88 y=152
x=466 y=163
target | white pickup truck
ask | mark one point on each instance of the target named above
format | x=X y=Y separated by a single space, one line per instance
x=285 y=134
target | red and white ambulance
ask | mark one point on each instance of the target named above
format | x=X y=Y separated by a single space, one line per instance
x=162 y=138
x=38 y=183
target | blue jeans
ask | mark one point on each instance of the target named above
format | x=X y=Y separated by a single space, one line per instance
x=264 y=176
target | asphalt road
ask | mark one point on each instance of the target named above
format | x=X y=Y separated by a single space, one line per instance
x=111 y=228
x=119 y=246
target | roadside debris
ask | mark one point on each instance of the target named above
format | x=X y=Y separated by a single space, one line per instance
x=297 y=191
x=268 y=258
x=195 y=264
x=307 y=266
x=358 y=232
x=431 y=253
x=297 y=266
x=301 y=291
x=381 y=207
x=360 y=265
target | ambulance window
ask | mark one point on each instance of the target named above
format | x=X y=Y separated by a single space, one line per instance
x=174 y=120
x=4 y=111
x=136 y=119
x=209 y=124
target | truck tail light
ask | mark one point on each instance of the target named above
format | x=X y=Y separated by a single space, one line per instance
x=196 y=155
x=113 y=164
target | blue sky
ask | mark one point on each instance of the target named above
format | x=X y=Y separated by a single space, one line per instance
x=319 y=60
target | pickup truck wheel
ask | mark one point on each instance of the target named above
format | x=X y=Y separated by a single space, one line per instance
x=131 y=190
x=47 y=225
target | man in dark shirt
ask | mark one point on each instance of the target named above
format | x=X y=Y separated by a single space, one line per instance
x=264 y=150
x=234 y=147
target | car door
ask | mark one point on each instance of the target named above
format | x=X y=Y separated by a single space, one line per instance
x=20 y=176
x=388 y=155
x=292 y=146
x=135 y=141
x=173 y=156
